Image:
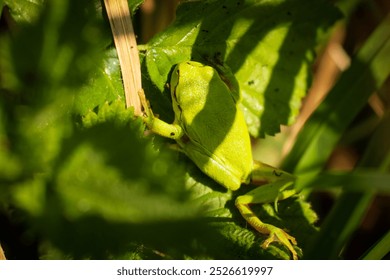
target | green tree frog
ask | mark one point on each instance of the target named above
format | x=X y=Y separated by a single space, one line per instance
x=211 y=130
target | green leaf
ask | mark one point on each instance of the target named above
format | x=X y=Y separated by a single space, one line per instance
x=134 y=4
x=52 y=60
x=110 y=188
x=104 y=85
x=125 y=183
x=379 y=250
x=25 y=11
x=361 y=180
x=277 y=37
x=39 y=82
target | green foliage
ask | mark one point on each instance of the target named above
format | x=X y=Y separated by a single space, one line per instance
x=79 y=173
x=369 y=70
x=24 y=11
x=268 y=45
x=134 y=4
x=74 y=162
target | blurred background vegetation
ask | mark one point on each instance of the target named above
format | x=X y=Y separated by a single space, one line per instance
x=44 y=63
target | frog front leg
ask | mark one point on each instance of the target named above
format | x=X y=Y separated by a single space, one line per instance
x=277 y=189
x=156 y=125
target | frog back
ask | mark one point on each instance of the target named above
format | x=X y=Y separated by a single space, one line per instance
x=216 y=136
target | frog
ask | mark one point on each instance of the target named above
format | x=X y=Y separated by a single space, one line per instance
x=209 y=127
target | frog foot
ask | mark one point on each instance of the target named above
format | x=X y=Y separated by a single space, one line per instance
x=279 y=235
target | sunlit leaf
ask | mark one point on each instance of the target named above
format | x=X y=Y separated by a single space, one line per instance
x=278 y=39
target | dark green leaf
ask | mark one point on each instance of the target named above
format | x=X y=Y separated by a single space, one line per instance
x=24 y=11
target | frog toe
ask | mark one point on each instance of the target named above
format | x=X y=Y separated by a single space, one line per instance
x=279 y=235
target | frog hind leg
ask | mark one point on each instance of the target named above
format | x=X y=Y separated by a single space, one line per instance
x=265 y=194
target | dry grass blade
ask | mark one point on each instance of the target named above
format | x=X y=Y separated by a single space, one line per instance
x=2 y=256
x=122 y=29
